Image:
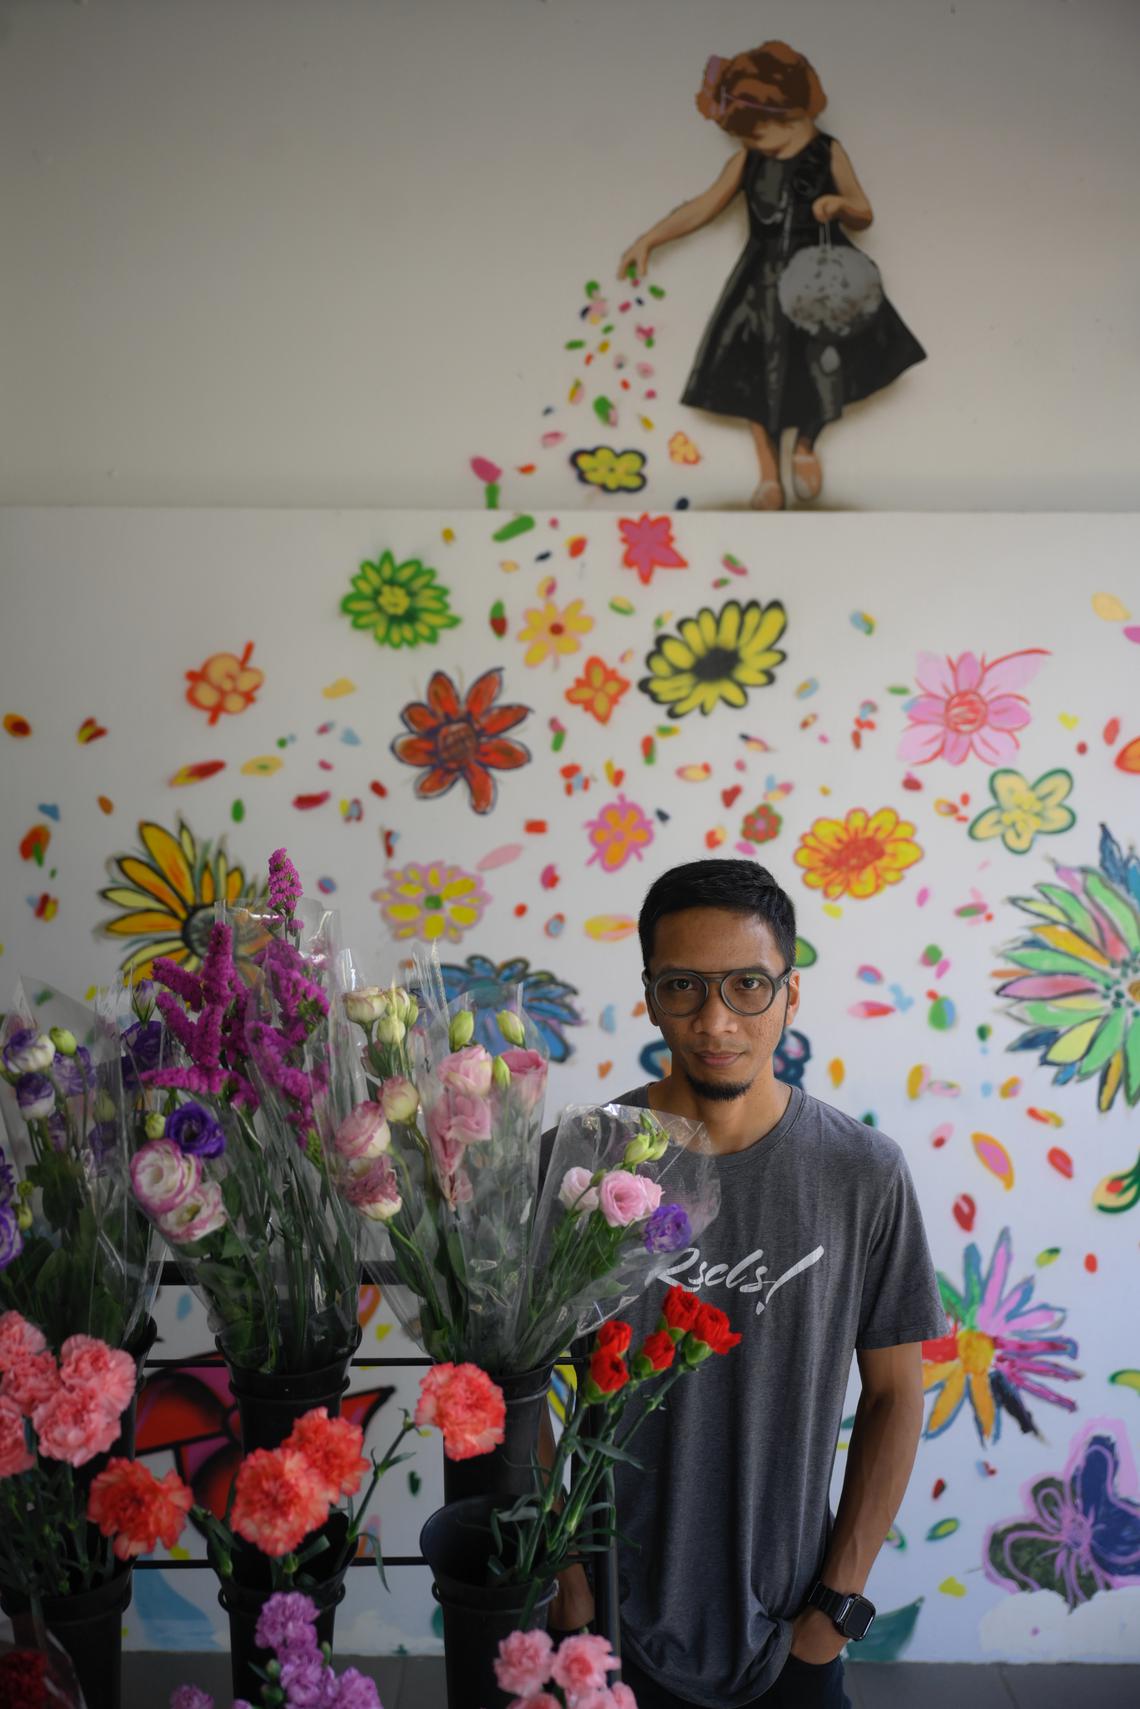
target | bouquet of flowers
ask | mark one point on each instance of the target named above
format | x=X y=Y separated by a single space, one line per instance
x=573 y=1676
x=444 y=1160
x=234 y=1171
x=543 y=1532
x=39 y=1678
x=75 y=1253
x=56 y=1415
x=300 y=1673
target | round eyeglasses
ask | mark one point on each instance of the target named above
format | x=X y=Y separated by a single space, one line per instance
x=745 y=990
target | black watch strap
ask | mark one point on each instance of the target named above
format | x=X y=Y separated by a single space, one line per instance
x=851 y=1614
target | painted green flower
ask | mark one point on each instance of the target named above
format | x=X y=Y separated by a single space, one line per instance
x=1025 y=810
x=400 y=603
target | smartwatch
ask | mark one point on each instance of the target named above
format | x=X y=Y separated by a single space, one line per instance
x=852 y=1615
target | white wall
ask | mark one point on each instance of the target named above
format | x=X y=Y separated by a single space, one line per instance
x=278 y=252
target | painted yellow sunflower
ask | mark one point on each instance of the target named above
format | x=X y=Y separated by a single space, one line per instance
x=857 y=856
x=716 y=657
x=167 y=896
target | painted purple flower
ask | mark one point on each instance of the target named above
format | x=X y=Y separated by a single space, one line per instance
x=74 y=1075
x=195 y=1132
x=667 y=1230
x=1082 y=1534
x=11 y=1240
x=142 y=1050
x=35 y=1095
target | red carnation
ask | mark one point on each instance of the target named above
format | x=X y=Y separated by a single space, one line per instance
x=679 y=1311
x=658 y=1349
x=608 y=1374
x=23 y=1680
x=613 y=1337
x=712 y=1327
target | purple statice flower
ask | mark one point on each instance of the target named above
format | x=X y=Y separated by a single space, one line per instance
x=178 y=1022
x=218 y=966
x=668 y=1229
x=11 y=1240
x=27 y=1051
x=186 y=985
x=191 y=1697
x=35 y=1095
x=142 y=1050
x=284 y=884
x=195 y=1132
x=288 y=1621
x=354 y=1690
x=74 y=1075
x=203 y=1082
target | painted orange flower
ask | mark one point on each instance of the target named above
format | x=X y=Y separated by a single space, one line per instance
x=225 y=683
x=598 y=689
x=552 y=633
x=465 y=739
x=857 y=856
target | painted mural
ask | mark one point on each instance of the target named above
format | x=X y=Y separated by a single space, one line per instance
x=488 y=731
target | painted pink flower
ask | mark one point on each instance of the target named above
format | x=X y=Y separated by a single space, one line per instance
x=523 y=1662
x=649 y=546
x=581 y=1664
x=968 y=707
x=621 y=830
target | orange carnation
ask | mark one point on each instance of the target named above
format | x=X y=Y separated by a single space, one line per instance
x=463 y=1402
x=278 y=1500
x=127 y=1502
x=331 y=1446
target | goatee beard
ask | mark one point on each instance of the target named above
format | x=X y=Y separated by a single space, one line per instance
x=717 y=1091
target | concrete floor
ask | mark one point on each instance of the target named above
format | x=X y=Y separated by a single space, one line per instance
x=416 y=1682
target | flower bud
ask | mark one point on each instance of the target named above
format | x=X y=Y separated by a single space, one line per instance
x=104 y=1108
x=365 y=1005
x=399 y=1099
x=63 y=1040
x=413 y=1013
x=155 y=1124
x=510 y=1026
x=637 y=1151
x=390 y=1030
x=462 y=1029
x=142 y=999
x=500 y=1074
x=402 y=1005
x=24 y=1218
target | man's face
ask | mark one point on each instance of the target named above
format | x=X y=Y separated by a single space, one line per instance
x=719 y=1052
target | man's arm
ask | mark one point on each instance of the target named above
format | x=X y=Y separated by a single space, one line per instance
x=880 y=1458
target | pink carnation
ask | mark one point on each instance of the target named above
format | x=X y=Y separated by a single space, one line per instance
x=74 y=1426
x=523 y=1662
x=968 y=706
x=624 y=1198
x=91 y=1366
x=581 y=1664
x=28 y=1384
x=622 y=1695
x=463 y=1402
x=18 y=1338
x=15 y=1456
x=540 y=1700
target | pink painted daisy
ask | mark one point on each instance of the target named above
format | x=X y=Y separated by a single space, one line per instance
x=649 y=546
x=968 y=707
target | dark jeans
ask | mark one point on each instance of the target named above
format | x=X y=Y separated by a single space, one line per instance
x=800 y=1685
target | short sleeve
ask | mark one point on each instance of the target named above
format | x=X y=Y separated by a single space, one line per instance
x=901 y=1301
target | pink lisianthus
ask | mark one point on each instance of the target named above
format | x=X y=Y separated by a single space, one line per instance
x=467 y=1071
x=163 y=1176
x=373 y=1189
x=624 y=1198
x=458 y=1120
x=581 y=1664
x=523 y=1662
x=576 y=1192
x=15 y=1456
x=91 y=1366
x=28 y=1384
x=74 y=1426
x=18 y=1338
x=363 y=1133
x=464 y=1403
x=202 y=1213
x=968 y=706
x=528 y=1075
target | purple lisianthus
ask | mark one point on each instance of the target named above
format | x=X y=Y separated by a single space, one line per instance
x=57 y=1130
x=11 y=1240
x=74 y=1075
x=668 y=1229
x=142 y=1051
x=195 y=1132
x=7 y=1179
x=27 y=1051
x=35 y=1095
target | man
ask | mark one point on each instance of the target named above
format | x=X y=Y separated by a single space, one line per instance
x=736 y=1582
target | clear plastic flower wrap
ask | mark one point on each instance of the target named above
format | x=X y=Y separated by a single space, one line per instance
x=625 y=1190
x=76 y=1255
x=235 y=1169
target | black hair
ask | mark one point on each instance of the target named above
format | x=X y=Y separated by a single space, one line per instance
x=738 y=885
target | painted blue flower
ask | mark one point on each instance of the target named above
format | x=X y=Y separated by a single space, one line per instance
x=791 y=1057
x=1082 y=1535
x=546 y=999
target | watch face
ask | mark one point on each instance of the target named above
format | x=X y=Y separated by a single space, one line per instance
x=857 y=1620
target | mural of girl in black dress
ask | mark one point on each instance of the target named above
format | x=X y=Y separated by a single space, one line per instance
x=784 y=349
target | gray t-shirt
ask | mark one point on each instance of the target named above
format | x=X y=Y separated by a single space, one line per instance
x=818 y=1249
